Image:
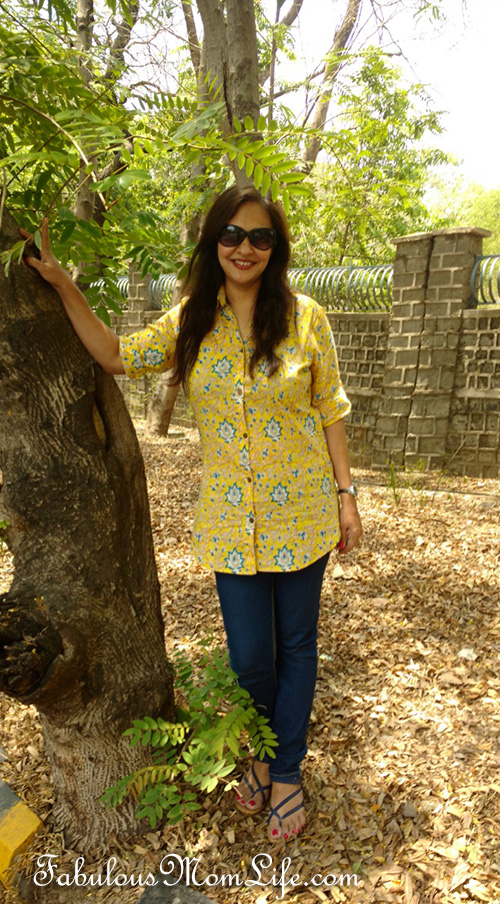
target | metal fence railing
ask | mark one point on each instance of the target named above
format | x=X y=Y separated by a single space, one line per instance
x=336 y=288
x=485 y=280
x=346 y=288
x=160 y=290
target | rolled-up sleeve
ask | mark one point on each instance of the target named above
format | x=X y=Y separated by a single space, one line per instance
x=328 y=394
x=153 y=348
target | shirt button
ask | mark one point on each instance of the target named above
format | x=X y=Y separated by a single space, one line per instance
x=251 y=519
x=245 y=436
x=249 y=479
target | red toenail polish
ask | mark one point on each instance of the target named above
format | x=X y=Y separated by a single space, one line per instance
x=251 y=803
x=274 y=832
x=285 y=835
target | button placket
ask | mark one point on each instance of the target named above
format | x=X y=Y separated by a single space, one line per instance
x=244 y=450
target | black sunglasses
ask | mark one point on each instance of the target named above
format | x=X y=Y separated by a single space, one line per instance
x=232 y=236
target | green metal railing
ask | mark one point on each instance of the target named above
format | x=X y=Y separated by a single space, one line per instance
x=485 y=280
x=160 y=290
x=346 y=288
x=336 y=288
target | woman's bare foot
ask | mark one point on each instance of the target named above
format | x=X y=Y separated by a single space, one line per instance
x=287 y=816
x=252 y=794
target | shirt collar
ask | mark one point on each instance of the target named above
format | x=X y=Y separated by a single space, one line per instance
x=221 y=297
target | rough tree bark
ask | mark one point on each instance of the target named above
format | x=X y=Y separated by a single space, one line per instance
x=81 y=632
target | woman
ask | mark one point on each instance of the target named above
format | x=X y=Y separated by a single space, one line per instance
x=260 y=367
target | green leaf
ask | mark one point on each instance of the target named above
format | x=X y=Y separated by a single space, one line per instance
x=266 y=183
x=292 y=177
x=237 y=124
x=126 y=179
x=126 y=13
x=300 y=191
x=249 y=123
x=241 y=161
x=275 y=190
x=258 y=176
x=249 y=167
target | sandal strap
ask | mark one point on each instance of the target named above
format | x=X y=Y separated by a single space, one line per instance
x=274 y=810
x=259 y=788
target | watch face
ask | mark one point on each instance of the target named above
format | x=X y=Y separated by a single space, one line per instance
x=352 y=490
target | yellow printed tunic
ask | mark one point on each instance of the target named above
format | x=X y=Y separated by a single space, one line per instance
x=267 y=500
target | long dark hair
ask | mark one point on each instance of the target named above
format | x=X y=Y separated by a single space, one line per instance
x=206 y=276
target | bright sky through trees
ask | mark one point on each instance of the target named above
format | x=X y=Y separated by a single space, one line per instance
x=457 y=60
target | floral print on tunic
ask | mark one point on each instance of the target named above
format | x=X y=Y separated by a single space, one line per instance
x=267 y=501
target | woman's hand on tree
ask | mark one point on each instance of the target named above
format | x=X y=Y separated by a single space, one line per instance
x=99 y=340
x=48 y=266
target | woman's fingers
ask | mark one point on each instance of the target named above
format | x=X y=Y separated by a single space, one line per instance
x=44 y=230
x=351 y=528
x=45 y=236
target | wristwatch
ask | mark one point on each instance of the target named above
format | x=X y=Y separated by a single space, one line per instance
x=352 y=490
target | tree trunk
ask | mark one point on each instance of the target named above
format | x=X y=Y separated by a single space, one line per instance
x=342 y=38
x=213 y=62
x=161 y=405
x=85 y=198
x=81 y=632
x=242 y=89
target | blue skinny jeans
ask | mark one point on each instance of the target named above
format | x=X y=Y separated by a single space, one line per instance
x=271 y=622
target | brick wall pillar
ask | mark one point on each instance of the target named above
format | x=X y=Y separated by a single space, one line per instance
x=136 y=315
x=403 y=348
x=431 y=290
x=447 y=297
x=138 y=299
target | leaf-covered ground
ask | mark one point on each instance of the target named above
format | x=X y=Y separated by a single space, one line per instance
x=402 y=777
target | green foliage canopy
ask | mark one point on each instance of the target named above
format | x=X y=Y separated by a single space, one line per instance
x=135 y=145
x=371 y=186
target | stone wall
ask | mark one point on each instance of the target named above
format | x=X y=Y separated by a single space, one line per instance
x=424 y=379
x=361 y=341
x=473 y=439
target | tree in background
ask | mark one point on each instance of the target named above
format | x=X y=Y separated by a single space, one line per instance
x=371 y=187
x=462 y=203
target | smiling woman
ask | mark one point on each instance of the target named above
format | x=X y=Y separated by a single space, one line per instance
x=244 y=263
x=260 y=367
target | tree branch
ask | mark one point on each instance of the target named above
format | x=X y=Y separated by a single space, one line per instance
x=341 y=41
x=287 y=20
x=194 y=44
x=124 y=28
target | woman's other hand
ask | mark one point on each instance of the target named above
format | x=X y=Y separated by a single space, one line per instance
x=351 y=529
x=47 y=266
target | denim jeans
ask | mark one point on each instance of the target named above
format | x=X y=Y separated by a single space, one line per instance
x=271 y=621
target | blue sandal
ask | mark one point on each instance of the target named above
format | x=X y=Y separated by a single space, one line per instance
x=258 y=789
x=274 y=811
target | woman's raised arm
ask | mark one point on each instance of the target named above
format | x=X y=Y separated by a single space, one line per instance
x=101 y=342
